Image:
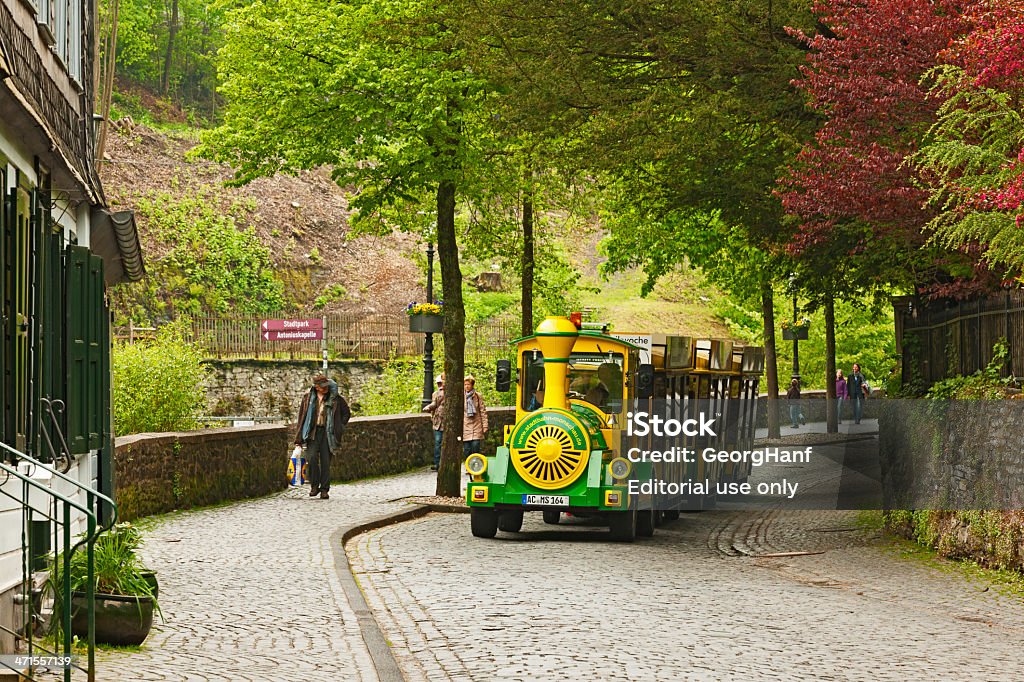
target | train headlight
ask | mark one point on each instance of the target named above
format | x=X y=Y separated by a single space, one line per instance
x=619 y=468
x=476 y=464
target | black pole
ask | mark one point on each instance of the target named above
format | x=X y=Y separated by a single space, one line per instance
x=428 y=345
x=796 y=346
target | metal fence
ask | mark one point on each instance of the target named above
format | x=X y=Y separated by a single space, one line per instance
x=345 y=336
x=937 y=341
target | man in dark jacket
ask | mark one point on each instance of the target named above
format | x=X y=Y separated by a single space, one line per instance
x=856 y=391
x=323 y=415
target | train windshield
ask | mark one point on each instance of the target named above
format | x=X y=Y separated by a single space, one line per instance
x=594 y=377
x=597 y=378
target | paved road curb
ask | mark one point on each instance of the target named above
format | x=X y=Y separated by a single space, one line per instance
x=380 y=652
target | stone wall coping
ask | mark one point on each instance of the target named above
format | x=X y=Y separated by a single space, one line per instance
x=312 y=365
x=231 y=432
x=200 y=435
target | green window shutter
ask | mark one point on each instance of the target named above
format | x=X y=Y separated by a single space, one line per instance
x=99 y=350
x=77 y=325
x=6 y=340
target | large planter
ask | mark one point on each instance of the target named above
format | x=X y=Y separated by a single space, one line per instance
x=121 y=621
x=426 y=324
x=795 y=334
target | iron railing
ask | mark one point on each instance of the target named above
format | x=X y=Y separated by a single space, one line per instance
x=42 y=547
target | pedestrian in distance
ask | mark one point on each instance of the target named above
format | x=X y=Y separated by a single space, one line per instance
x=840 y=393
x=474 y=419
x=323 y=415
x=436 y=409
x=793 y=395
x=856 y=392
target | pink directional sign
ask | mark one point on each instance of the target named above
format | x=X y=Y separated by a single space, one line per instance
x=302 y=335
x=292 y=325
x=293 y=330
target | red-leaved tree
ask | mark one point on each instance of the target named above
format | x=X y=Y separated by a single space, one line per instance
x=853 y=196
x=975 y=153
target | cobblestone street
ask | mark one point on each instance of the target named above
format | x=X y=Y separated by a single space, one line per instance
x=692 y=603
x=255 y=591
x=250 y=591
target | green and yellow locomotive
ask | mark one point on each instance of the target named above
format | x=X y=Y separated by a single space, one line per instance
x=569 y=450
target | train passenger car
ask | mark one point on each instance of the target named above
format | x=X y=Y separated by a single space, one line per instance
x=569 y=449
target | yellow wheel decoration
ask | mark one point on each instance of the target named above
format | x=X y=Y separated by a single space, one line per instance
x=549 y=449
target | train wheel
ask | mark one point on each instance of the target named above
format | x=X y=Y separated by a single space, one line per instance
x=552 y=516
x=484 y=522
x=645 y=523
x=672 y=515
x=510 y=521
x=623 y=526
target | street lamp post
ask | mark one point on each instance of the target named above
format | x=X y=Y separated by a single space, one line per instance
x=428 y=345
x=796 y=346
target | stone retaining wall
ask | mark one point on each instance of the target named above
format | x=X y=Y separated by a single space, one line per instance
x=274 y=388
x=159 y=472
x=962 y=456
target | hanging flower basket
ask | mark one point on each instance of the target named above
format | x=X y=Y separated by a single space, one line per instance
x=426 y=324
x=426 y=318
x=796 y=330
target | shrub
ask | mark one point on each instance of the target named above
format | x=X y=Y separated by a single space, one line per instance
x=986 y=384
x=158 y=385
x=399 y=389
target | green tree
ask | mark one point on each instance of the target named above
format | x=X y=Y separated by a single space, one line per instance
x=687 y=107
x=380 y=92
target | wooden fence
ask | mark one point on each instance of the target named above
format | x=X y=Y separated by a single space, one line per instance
x=937 y=341
x=347 y=336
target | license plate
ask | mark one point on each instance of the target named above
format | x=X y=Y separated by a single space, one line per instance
x=547 y=500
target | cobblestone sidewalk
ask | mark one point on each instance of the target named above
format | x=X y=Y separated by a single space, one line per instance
x=250 y=591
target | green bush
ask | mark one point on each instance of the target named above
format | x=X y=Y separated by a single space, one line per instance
x=158 y=385
x=986 y=384
x=399 y=389
x=207 y=261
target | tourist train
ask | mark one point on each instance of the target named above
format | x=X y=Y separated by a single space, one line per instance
x=586 y=401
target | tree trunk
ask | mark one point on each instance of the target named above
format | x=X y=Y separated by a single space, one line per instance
x=172 y=31
x=107 y=87
x=448 y=475
x=527 y=262
x=832 y=419
x=771 y=369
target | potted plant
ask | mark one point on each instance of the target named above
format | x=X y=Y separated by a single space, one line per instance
x=796 y=330
x=125 y=590
x=426 y=318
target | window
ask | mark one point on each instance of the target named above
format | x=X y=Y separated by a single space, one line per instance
x=74 y=49
x=60 y=29
x=533 y=380
x=598 y=379
x=44 y=17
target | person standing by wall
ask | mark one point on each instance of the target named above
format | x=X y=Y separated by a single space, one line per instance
x=436 y=409
x=840 y=393
x=856 y=391
x=474 y=420
x=323 y=415
x=793 y=395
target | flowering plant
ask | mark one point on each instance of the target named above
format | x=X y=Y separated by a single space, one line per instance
x=802 y=323
x=435 y=308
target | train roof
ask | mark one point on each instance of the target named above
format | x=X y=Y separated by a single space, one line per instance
x=585 y=333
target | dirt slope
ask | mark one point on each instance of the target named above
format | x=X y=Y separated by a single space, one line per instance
x=293 y=215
